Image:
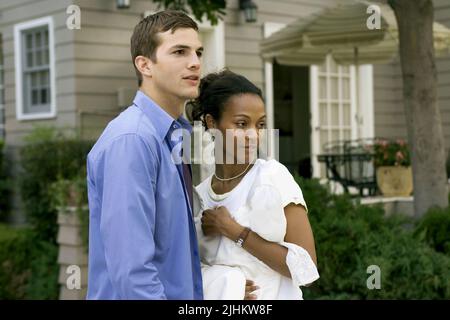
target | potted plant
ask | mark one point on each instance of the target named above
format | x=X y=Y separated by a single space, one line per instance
x=393 y=163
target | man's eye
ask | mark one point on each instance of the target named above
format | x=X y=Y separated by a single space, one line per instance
x=178 y=52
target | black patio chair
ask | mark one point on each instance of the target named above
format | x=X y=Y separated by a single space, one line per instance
x=350 y=163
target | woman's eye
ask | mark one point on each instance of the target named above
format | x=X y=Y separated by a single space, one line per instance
x=240 y=124
x=262 y=125
x=199 y=54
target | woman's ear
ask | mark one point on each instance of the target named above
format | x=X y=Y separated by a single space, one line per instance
x=144 y=65
x=210 y=123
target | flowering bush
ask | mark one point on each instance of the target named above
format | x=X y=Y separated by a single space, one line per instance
x=391 y=153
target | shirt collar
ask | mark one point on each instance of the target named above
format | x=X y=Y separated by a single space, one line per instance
x=161 y=120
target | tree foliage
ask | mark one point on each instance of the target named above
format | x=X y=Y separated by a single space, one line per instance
x=212 y=9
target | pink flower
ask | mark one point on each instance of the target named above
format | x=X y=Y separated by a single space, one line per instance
x=399 y=156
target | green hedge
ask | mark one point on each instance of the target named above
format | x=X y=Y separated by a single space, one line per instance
x=47 y=157
x=5 y=185
x=434 y=229
x=14 y=253
x=350 y=237
x=28 y=266
x=28 y=256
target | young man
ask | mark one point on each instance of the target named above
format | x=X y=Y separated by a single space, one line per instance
x=142 y=240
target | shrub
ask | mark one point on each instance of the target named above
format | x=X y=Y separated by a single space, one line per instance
x=434 y=229
x=14 y=253
x=28 y=266
x=48 y=156
x=5 y=185
x=351 y=237
x=44 y=271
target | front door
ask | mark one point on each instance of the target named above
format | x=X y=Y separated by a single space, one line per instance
x=333 y=107
x=341 y=106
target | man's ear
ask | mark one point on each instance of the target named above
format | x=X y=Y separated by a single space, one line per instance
x=144 y=65
x=210 y=123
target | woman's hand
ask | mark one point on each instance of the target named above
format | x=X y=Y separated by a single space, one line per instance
x=218 y=221
x=249 y=288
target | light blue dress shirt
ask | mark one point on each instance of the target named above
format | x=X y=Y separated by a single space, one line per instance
x=142 y=238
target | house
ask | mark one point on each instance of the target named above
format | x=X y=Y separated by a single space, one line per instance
x=53 y=74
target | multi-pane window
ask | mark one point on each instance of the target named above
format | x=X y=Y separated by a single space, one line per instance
x=34 y=69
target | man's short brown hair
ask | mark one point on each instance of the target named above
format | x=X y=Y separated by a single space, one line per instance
x=145 y=40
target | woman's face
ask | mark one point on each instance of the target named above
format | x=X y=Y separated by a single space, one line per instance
x=242 y=119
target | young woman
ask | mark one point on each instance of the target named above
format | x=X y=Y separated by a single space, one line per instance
x=252 y=220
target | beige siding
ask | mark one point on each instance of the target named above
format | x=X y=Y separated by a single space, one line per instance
x=388 y=101
x=389 y=115
x=21 y=11
x=103 y=62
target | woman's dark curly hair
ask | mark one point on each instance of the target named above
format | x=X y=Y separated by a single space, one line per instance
x=215 y=91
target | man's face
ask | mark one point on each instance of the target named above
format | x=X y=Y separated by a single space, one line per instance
x=176 y=73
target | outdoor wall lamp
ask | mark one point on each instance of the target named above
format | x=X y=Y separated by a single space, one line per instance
x=122 y=4
x=250 y=10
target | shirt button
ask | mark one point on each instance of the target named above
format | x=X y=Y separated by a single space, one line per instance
x=174 y=126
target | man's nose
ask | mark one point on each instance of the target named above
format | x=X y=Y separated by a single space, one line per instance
x=194 y=63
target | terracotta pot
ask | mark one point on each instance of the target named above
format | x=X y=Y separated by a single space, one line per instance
x=395 y=181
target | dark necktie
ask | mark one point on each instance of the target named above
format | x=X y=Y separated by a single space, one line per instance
x=188 y=182
x=186 y=176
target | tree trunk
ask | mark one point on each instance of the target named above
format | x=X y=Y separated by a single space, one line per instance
x=423 y=118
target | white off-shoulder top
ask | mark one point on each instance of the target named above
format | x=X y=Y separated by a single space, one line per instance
x=257 y=202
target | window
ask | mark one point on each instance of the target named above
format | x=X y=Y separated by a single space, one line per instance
x=35 y=88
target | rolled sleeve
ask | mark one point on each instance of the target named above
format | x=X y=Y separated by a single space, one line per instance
x=127 y=226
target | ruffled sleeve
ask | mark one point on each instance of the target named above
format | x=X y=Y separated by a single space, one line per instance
x=280 y=177
x=301 y=266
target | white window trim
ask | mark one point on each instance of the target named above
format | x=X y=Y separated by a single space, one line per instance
x=365 y=98
x=315 y=126
x=218 y=41
x=18 y=28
